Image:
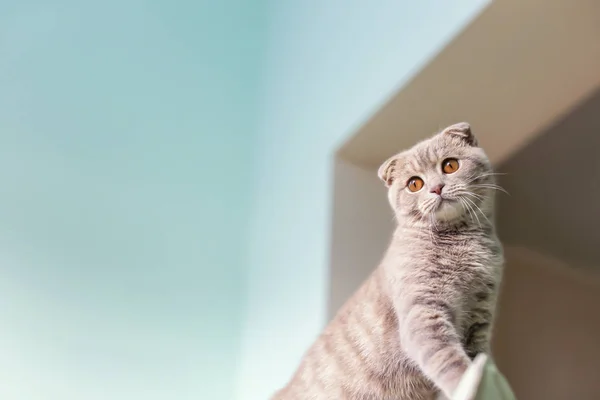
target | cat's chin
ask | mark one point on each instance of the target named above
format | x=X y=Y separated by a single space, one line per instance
x=448 y=210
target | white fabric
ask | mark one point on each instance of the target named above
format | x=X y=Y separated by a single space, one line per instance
x=483 y=381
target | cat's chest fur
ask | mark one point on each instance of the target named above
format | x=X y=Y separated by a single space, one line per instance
x=456 y=267
x=458 y=254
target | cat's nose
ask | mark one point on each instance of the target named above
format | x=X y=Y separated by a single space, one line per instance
x=437 y=189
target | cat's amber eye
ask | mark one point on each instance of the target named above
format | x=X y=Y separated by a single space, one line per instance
x=415 y=184
x=450 y=165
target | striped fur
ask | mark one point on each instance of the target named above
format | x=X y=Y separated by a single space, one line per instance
x=412 y=329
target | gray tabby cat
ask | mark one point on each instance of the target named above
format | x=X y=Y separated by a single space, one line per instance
x=415 y=325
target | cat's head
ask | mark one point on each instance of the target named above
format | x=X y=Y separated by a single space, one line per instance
x=445 y=178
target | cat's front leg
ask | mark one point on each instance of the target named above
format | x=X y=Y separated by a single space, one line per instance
x=429 y=337
x=477 y=339
x=477 y=336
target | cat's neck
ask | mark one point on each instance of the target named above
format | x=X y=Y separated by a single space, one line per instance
x=431 y=228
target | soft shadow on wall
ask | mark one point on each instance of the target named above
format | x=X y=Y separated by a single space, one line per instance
x=546 y=340
x=554 y=184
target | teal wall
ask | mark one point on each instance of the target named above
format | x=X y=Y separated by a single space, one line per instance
x=126 y=165
x=329 y=65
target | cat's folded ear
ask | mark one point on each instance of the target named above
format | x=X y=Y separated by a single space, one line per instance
x=387 y=171
x=462 y=130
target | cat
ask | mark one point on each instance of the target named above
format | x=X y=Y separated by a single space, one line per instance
x=415 y=325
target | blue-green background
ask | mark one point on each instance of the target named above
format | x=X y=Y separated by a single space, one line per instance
x=127 y=131
x=164 y=175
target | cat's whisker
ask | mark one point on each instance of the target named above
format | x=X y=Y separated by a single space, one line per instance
x=476 y=206
x=474 y=178
x=462 y=204
x=474 y=212
x=493 y=173
x=487 y=183
x=476 y=217
x=491 y=186
x=466 y=207
x=475 y=195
